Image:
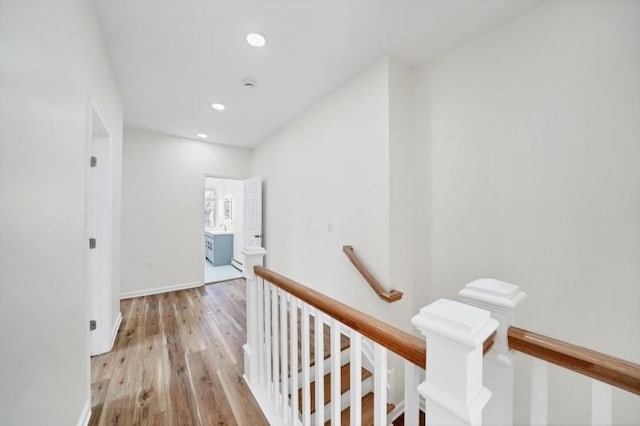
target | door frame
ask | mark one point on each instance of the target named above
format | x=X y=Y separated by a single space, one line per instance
x=98 y=224
x=202 y=182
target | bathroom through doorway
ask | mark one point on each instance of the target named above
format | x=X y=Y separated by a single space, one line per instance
x=222 y=229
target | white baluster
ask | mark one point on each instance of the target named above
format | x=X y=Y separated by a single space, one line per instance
x=275 y=345
x=501 y=299
x=284 y=349
x=600 y=404
x=412 y=378
x=336 y=395
x=539 y=392
x=252 y=257
x=267 y=338
x=356 y=378
x=380 y=385
x=319 y=367
x=306 y=361
x=261 y=339
x=294 y=360
x=453 y=388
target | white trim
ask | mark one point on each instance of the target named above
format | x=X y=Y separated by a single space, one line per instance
x=261 y=395
x=114 y=330
x=396 y=412
x=85 y=416
x=237 y=264
x=223 y=176
x=159 y=290
x=99 y=282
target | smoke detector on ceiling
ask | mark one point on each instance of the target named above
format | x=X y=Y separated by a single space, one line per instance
x=247 y=82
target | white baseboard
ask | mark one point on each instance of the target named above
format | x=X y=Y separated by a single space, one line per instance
x=237 y=264
x=114 y=330
x=150 y=291
x=85 y=415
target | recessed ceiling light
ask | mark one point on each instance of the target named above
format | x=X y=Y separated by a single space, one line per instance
x=256 y=40
x=202 y=135
x=218 y=107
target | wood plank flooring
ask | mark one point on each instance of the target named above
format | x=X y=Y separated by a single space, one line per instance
x=177 y=360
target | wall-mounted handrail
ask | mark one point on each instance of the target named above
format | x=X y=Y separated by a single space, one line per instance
x=387 y=296
x=606 y=368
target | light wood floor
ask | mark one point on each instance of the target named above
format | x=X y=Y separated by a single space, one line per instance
x=177 y=360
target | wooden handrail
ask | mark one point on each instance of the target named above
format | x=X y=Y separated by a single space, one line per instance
x=488 y=344
x=390 y=296
x=406 y=345
x=400 y=342
x=614 y=371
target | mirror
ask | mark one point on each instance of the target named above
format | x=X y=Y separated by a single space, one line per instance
x=228 y=208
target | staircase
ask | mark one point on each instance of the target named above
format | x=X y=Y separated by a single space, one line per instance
x=367 y=400
x=337 y=377
x=461 y=387
x=344 y=388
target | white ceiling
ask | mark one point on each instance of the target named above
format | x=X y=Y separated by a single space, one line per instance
x=173 y=58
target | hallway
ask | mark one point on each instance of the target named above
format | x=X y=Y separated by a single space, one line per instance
x=177 y=360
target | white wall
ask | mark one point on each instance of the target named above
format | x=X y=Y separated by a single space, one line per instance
x=346 y=162
x=534 y=146
x=330 y=167
x=513 y=156
x=401 y=190
x=52 y=61
x=162 y=206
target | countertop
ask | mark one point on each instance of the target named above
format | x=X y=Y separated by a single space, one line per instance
x=212 y=232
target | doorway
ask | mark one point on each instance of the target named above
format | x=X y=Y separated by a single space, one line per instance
x=99 y=177
x=223 y=225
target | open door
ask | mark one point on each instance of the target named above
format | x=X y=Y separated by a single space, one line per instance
x=99 y=235
x=252 y=226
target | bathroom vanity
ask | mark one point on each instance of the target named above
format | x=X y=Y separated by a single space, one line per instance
x=218 y=247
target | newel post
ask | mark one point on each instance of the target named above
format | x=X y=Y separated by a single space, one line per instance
x=501 y=299
x=252 y=256
x=453 y=388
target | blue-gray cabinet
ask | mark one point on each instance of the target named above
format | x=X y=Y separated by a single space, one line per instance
x=218 y=248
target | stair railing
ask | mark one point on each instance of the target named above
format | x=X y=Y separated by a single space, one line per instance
x=501 y=300
x=278 y=358
x=460 y=387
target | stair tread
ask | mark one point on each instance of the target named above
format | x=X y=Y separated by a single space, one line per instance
x=344 y=340
x=345 y=385
x=367 y=411
x=400 y=420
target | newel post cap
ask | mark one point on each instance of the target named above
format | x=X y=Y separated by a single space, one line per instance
x=252 y=256
x=495 y=293
x=463 y=324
